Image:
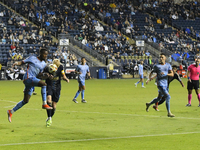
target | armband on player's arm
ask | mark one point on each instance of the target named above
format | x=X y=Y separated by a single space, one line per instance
x=62 y=72
x=188 y=78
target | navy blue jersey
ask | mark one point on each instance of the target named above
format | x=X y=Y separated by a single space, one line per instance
x=55 y=83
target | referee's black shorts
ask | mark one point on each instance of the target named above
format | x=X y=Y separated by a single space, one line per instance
x=55 y=94
x=194 y=84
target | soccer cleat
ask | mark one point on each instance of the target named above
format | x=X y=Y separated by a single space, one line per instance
x=143 y=86
x=147 y=107
x=170 y=115
x=75 y=101
x=46 y=107
x=84 y=101
x=155 y=107
x=188 y=105
x=135 y=84
x=199 y=105
x=34 y=93
x=48 y=122
x=9 y=115
x=155 y=83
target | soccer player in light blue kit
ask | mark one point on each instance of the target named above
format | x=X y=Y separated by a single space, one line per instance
x=141 y=75
x=81 y=70
x=34 y=71
x=163 y=70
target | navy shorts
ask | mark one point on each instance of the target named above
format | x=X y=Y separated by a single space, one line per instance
x=55 y=94
x=194 y=84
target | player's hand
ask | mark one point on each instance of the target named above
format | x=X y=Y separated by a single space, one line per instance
x=183 y=86
x=50 y=76
x=189 y=80
x=67 y=80
x=45 y=75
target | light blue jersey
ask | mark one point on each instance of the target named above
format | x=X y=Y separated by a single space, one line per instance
x=140 y=69
x=162 y=80
x=84 y=69
x=35 y=66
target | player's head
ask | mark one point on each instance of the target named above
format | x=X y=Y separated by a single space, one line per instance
x=174 y=68
x=43 y=53
x=56 y=62
x=141 y=62
x=83 y=61
x=162 y=58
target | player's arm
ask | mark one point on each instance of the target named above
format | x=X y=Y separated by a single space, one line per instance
x=18 y=63
x=64 y=76
x=88 y=73
x=170 y=73
x=177 y=77
x=43 y=75
x=151 y=79
x=188 y=75
x=77 y=71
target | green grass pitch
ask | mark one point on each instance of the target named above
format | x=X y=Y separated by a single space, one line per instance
x=114 y=118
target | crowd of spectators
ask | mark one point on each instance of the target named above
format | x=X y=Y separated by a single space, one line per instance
x=80 y=19
x=75 y=18
x=20 y=39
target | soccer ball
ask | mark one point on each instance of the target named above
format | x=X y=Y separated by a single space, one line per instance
x=52 y=68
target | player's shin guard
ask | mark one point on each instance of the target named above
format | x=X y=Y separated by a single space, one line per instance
x=53 y=112
x=82 y=94
x=168 y=103
x=43 y=93
x=189 y=98
x=18 y=106
x=49 y=114
x=77 y=94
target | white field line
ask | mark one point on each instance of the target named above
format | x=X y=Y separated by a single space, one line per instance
x=97 y=139
x=107 y=113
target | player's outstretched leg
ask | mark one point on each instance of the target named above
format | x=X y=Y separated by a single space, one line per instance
x=18 y=106
x=152 y=102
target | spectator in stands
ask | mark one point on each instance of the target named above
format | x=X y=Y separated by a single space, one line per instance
x=187 y=30
x=3 y=40
x=147 y=53
x=13 y=47
x=159 y=21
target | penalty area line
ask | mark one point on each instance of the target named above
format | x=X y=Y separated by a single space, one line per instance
x=97 y=139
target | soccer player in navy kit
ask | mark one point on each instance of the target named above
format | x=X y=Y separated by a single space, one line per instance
x=163 y=70
x=81 y=70
x=34 y=71
x=53 y=90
